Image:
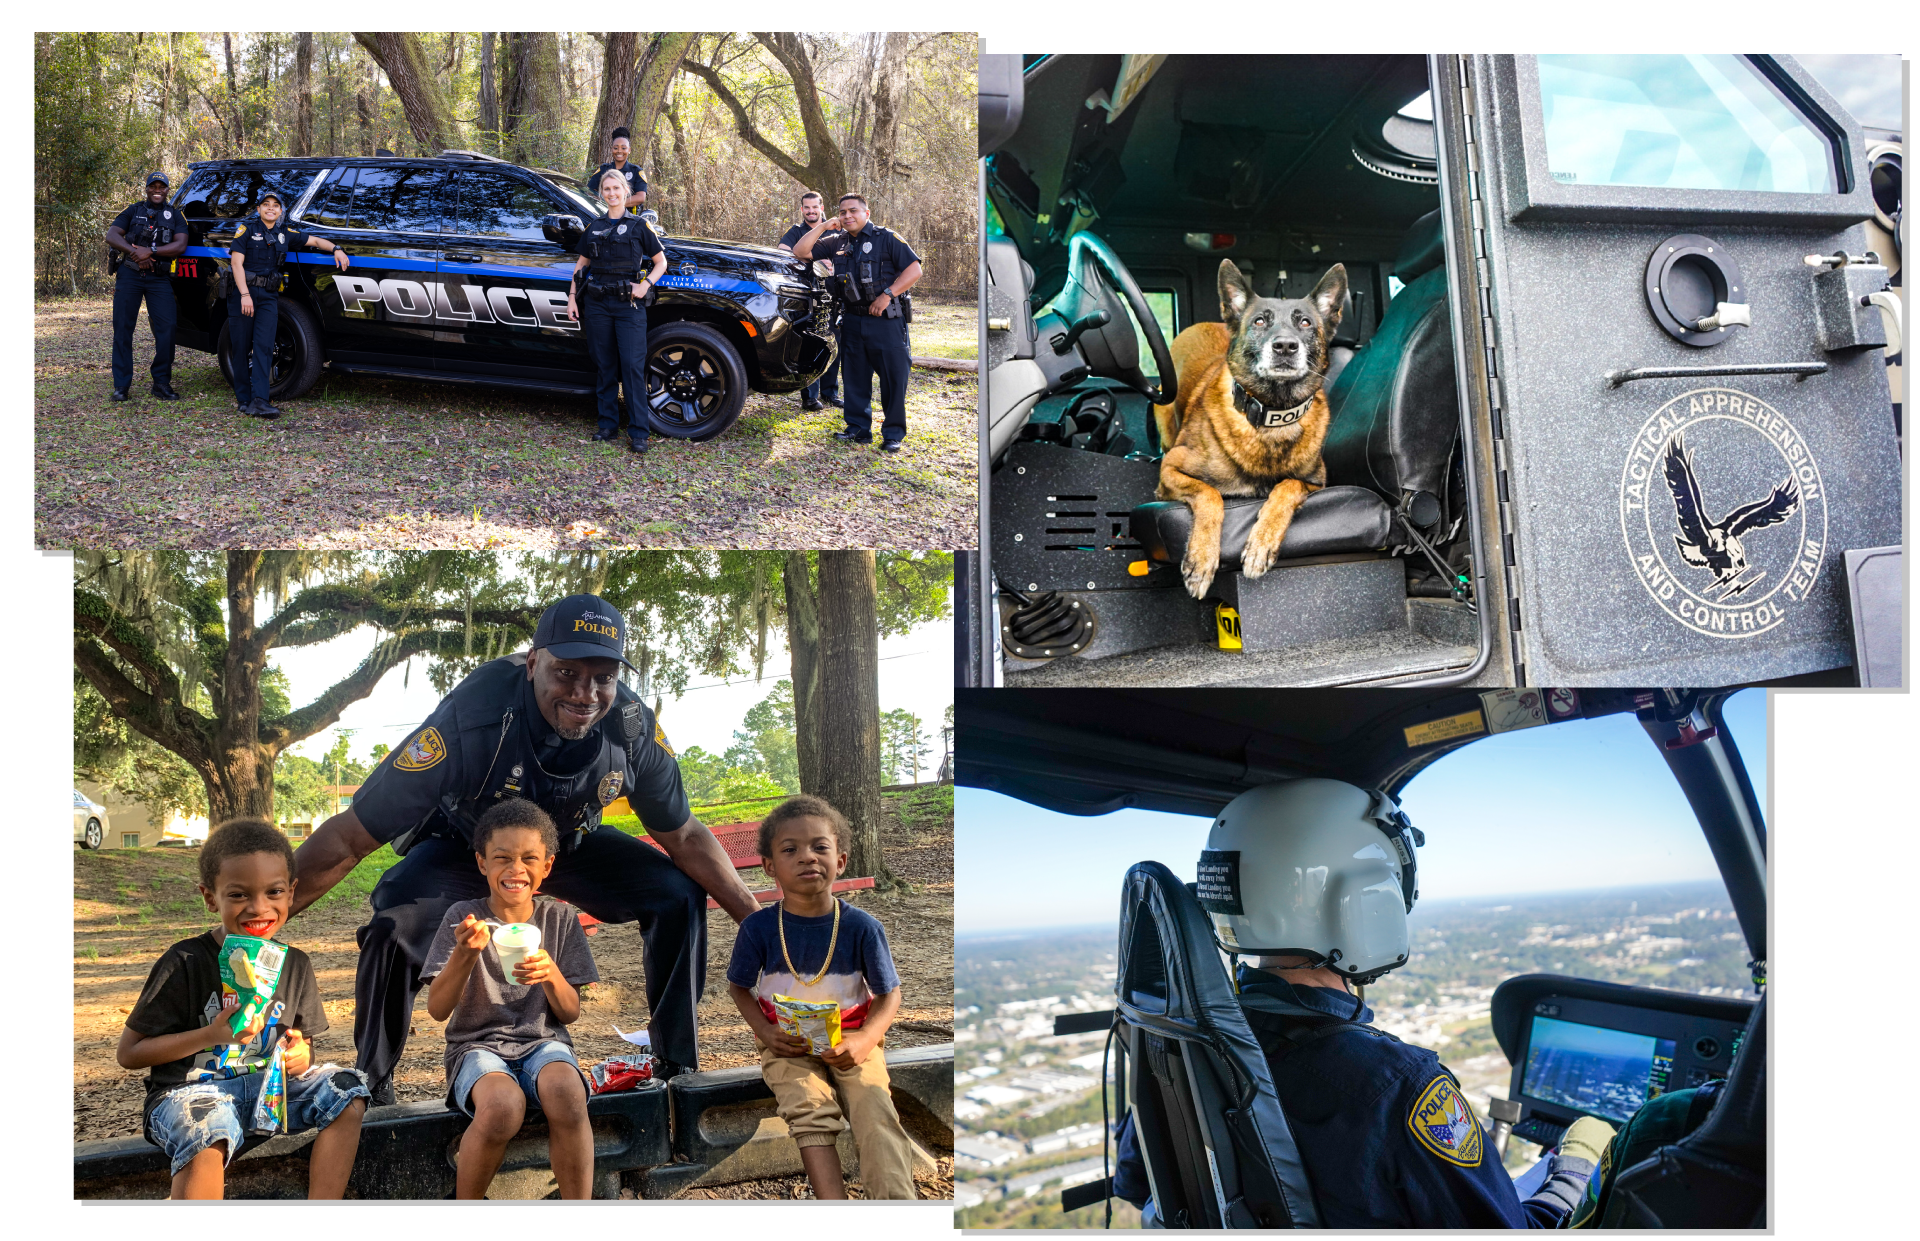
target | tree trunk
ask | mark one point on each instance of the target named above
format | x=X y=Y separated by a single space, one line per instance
x=848 y=703
x=689 y=187
x=405 y=63
x=233 y=92
x=617 y=82
x=889 y=107
x=531 y=110
x=658 y=67
x=303 y=94
x=489 y=98
x=803 y=641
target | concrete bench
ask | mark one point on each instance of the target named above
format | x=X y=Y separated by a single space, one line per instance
x=709 y=1128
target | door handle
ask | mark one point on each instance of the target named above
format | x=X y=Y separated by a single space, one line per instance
x=1799 y=370
x=464 y=256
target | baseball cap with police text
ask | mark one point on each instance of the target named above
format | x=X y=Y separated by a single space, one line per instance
x=582 y=627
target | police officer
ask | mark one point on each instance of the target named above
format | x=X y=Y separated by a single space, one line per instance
x=827 y=387
x=554 y=726
x=630 y=173
x=1315 y=878
x=872 y=267
x=151 y=235
x=253 y=303
x=621 y=259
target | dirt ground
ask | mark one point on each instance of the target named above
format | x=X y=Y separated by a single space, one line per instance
x=130 y=904
x=362 y=462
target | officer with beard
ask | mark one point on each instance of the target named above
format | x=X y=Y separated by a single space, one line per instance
x=556 y=727
x=145 y=239
x=827 y=387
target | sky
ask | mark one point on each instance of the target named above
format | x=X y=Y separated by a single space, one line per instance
x=1586 y=804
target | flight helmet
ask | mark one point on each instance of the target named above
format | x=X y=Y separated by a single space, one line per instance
x=1312 y=868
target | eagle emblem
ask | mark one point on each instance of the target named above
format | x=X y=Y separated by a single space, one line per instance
x=1442 y=1121
x=1715 y=545
x=422 y=752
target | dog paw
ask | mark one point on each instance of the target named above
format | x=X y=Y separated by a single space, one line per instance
x=1198 y=572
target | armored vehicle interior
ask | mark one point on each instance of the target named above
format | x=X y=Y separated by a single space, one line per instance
x=1091 y=752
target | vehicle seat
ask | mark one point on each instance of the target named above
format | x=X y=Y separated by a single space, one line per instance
x=1217 y=1146
x=1346 y=339
x=1395 y=409
x=1716 y=1176
x=1331 y=521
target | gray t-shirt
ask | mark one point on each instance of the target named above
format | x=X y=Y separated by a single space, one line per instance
x=495 y=1012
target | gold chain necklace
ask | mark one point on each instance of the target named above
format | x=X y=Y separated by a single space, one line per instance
x=834 y=939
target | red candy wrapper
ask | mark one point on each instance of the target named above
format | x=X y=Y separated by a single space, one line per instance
x=617 y=1073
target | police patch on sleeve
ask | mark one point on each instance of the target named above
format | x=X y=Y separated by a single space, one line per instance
x=242 y=233
x=660 y=739
x=422 y=752
x=1443 y=1122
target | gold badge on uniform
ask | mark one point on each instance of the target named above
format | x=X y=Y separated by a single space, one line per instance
x=610 y=787
x=660 y=739
x=1442 y=1122
x=422 y=752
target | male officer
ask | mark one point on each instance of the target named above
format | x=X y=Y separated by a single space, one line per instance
x=152 y=235
x=636 y=184
x=1316 y=878
x=826 y=387
x=253 y=304
x=554 y=726
x=872 y=267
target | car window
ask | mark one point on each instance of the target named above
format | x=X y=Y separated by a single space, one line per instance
x=1678 y=122
x=492 y=203
x=401 y=200
x=233 y=193
x=1164 y=308
x=589 y=208
x=332 y=206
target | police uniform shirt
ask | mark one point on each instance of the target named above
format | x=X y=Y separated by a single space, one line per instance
x=624 y=245
x=636 y=184
x=792 y=236
x=256 y=244
x=162 y=218
x=883 y=245
x=456 y=748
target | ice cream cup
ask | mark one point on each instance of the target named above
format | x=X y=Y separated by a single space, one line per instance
x=515 y=942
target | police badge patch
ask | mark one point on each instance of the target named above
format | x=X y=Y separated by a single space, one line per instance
x=1442 y=1121
x=610 y=787
x=660 y=739
x=422 y=752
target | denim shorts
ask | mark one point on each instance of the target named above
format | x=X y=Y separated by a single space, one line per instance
x=477 y=1062
x=190 y=1118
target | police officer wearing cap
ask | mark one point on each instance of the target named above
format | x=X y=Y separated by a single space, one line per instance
x=253 y=303
x=554 y=726
x=145 y=239
x=827 y=387
x=1314 y=879
x=628 y=173
x=872 y=268
x=621 y=259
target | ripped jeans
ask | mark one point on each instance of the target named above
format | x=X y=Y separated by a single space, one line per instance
x=190 y=1118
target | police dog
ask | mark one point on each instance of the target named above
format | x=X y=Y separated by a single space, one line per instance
x=1249 y=417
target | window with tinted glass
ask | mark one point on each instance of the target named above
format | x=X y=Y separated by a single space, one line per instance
x=493 y=203
x=332 y=205
x=401 y=200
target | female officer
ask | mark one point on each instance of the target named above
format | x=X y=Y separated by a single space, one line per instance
x=608 y=286
x=253 y=305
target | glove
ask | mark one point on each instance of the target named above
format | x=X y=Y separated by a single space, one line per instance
x=1587 y=1139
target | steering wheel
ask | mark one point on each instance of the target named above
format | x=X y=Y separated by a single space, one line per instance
x=1098 y=280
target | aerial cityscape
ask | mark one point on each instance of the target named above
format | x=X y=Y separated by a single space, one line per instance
x=1027 y=1108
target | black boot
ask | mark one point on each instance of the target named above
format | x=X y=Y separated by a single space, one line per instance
x=164 y=391
x=119 y=394
x=260 y=409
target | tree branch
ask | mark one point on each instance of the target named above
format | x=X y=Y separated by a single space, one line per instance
x=158 y=717
x=743 y=124
x=95 y=617
x=296 y=726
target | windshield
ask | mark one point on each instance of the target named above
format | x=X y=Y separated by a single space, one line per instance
x=589 y=207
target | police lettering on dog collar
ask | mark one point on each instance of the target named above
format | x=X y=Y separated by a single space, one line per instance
x=1260 y=416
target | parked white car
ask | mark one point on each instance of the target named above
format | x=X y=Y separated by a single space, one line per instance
x=89 y=822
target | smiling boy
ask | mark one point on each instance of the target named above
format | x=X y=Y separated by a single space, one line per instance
x=812 y=946
x=507 y=1042
x=180 y=1028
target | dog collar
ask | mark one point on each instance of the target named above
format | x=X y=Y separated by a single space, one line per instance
x=1260 y=416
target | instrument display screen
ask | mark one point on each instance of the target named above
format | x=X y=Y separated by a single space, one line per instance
x=1603 y=1072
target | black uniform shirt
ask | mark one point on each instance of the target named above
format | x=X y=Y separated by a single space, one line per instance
x=793 y=235
x=262 y=248
x=136 y=219
x=636 y=184
x=852 y=253
x=618 y=247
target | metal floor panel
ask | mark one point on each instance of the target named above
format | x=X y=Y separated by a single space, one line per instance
x=1373 y=658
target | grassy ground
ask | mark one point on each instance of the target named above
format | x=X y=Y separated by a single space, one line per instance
x=368 y=463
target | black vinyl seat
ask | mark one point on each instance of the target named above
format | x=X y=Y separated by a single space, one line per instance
x=1217 y=1146
x=1331 y=521
x=1395 y=408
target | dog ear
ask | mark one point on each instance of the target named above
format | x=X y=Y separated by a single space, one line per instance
x=1330 y=294
x=1235 y=292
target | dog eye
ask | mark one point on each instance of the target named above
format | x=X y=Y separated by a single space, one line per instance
x=1260 y=320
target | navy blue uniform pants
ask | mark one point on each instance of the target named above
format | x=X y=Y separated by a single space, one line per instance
x=253 y=343
x=128 y=288
x=828 y=385
x=869 y=345
x=617 y=339
x=610 y=875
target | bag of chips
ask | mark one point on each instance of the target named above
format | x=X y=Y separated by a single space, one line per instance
x=815 y=1021
x=617 y=1073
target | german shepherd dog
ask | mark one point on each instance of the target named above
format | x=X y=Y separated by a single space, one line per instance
x=1249 y=417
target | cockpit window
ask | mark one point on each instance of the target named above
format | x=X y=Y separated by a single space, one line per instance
x=1711 y=122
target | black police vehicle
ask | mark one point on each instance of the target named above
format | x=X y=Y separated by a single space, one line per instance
x=460 y=271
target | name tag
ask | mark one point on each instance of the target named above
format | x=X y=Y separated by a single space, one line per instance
x=1281 y=418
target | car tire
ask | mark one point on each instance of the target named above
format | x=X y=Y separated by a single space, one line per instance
x=93 y=836
x=696 y=383
x=297 y=352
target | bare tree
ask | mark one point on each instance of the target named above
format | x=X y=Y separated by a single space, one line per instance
x=489 y=98
x=659 y=65
x=889 y=107
x=405 y=63
x=618 y=78
x=303 y=94
x=826 y=165
x=532 y=112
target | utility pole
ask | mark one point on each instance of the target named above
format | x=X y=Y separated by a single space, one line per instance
x=344 y=734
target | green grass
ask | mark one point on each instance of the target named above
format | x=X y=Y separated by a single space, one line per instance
x=926 y=809
x=359 y=883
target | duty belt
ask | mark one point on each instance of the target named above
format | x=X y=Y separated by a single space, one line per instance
x=620 y=287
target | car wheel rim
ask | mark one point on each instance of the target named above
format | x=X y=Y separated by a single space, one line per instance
x=686 y=385
x=94 y=835
x=283 y=357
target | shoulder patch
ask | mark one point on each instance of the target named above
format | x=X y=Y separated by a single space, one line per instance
x=1444 y=1123
x=660 y=739
x=422 y=752
x=242 y=233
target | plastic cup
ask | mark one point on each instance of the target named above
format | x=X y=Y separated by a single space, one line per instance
x=515 y=942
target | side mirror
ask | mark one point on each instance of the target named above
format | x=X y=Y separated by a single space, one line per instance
x=652 y=217
x=562 y=230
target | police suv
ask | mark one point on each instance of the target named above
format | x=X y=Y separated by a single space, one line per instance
x=1609 y=397
x=460 y=272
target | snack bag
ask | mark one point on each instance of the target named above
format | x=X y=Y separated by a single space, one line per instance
x=816 y=1021
x=270 y=1109
x=617 y=1073
x=250 y=968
